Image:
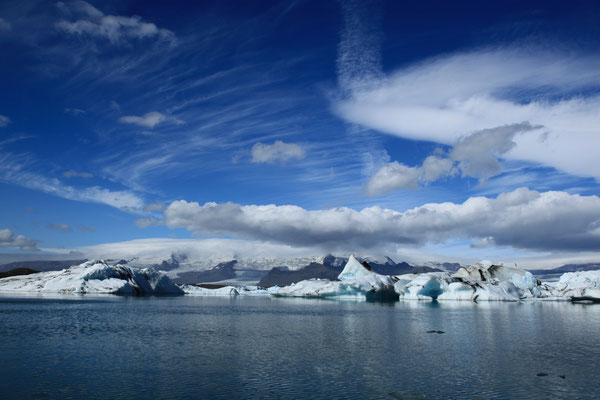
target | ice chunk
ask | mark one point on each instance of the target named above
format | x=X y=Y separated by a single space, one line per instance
x=583 y=285
x=93 y=277
x=427 y=286
x=355 y=282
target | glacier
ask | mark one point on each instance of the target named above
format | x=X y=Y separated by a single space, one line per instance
x=95 y=277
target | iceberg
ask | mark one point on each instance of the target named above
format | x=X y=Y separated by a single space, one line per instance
x=584 y=285
x=225 y=291
x=356 y=281
x=93 y=277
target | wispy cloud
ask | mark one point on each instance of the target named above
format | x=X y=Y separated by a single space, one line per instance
x=59 y=227
x=74 y=111
x=5 y=25
x=149 y=120
x=278 y=152
x=75 y=174
x=117 y=29
x=8 y=239
x=4 y=120
x=13 y=169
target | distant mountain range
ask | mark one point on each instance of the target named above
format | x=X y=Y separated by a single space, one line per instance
x=550 y=274
x=40 y=265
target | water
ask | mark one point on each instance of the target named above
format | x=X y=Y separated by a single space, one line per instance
x=198 y=347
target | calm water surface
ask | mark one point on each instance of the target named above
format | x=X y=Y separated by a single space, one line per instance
x=198 y=347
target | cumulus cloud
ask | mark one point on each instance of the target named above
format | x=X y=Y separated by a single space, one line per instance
x=117 y=29
x=391 y=177
x=4 y=120
x=59 y=227
x=476 y=156
x=8 y=239
x=149 y=120
x=522 y=218
x=444 y=98
x=278 y=152
x=75 y=174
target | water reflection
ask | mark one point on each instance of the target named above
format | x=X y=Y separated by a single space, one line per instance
x=190 y=347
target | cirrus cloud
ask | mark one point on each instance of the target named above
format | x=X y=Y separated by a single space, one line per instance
x=115 y=28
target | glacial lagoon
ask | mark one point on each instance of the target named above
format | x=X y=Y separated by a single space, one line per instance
x=182 y=347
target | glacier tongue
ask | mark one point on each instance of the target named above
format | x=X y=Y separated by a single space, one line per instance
x=93 y=277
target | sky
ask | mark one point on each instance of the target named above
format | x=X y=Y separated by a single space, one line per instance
x=429 y=131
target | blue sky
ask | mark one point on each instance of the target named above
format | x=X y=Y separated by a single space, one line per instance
x=422 y=131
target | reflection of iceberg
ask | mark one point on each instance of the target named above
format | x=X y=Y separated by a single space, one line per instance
x=355 y=281
x=93 y=277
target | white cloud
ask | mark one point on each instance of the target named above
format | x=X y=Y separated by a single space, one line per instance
x=59 y=227
x=74 y=111
x=447 y=98
x=522 y=219
x=75 y=174
x=277 y=152
x=8 y=239
x=475 y=156
x=391 y=177
x=116 y=29
x=4 y=120
x=149 y=120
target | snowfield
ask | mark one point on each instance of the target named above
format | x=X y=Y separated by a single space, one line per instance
x=480 y=282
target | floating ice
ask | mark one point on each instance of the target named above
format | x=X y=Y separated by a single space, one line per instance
x=355 y=282
x=225 y=291
x=93 y=277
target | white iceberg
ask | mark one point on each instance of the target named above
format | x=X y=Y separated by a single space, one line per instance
x=480 y=282
x=583 y=285
x=356 y=281
x=225 y=291
x=93 y=277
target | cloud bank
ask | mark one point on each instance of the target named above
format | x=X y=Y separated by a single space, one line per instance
x=523 y=219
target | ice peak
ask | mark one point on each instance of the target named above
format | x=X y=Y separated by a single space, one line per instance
x=354 y=269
